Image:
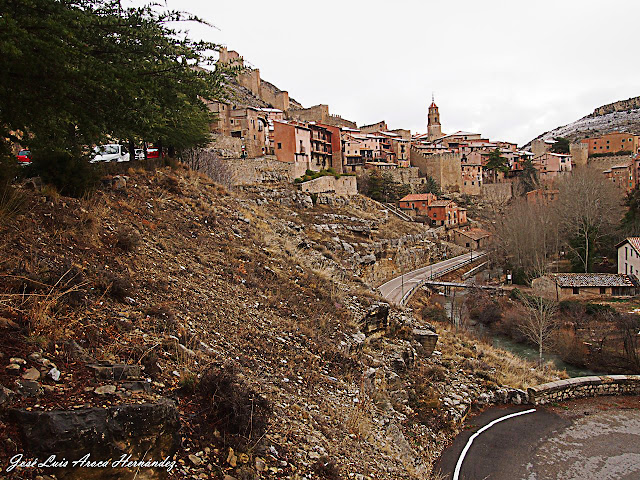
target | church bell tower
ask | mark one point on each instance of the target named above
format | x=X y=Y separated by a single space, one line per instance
x=434 y=130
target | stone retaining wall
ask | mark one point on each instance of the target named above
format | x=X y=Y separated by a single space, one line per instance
x=342 y=186
x=580 y=387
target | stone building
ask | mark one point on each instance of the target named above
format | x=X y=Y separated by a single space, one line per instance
x=564 y=286
x=292 y=144
x=471 y=171
x=621 y=176
x=612 y=143
x=321 y=147
x=446 y=213
x=550 y=165
x=417 y=203
x=474 y=238
x=629 y=256
x=250 y=125
x=319 y=114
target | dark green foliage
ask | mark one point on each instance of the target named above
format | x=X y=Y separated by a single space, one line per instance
x=76 y=72
x=311 y=175
x=72 y=176
x=497 y=163
x=382 y=187
x=631 y=220
x=529 y=176
x=611 y=154
x=430 y=186
x=561 y=146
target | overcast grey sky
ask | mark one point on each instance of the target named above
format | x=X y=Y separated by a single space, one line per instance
x=509 y=69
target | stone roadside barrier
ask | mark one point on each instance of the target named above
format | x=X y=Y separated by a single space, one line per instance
x=580 y=387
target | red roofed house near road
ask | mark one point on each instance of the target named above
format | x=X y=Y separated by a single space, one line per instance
x=447 y=213
x=417 y=203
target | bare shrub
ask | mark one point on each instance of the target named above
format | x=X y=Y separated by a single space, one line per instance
x=482 y=308
x=127 y=240
x=236 y=409
x=326 y=468
x=205 y=161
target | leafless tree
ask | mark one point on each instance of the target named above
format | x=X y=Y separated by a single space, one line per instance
x=528 y=237
x=590 y=207
x=205 y=161
x=540 y=322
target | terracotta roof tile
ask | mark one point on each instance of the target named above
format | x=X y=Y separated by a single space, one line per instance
x=595 y=280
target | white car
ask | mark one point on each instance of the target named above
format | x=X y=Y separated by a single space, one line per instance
x=111 y=152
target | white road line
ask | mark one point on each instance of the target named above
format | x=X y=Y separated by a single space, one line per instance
x=456 y=472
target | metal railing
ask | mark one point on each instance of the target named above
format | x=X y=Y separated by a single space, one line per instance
x=407 y=295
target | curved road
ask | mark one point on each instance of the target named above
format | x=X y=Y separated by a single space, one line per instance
x=596 y=439
x=396 y=289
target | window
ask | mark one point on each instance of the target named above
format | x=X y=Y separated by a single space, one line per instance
x=576 y=290
x=279 y=146
x=603 y=290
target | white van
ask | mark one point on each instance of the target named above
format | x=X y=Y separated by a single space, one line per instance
x=111 y=152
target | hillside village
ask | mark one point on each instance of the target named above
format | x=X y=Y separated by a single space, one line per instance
x=261 y=124
x=281 y=293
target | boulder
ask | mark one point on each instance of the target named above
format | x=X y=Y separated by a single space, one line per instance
x=116 y=371
x=427 y=339
x=368 y=259
x=148 y=431
x=6 y=395
x=376 y=319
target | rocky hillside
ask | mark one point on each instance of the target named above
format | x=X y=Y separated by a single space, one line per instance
x=622 y=116
x=229 y=334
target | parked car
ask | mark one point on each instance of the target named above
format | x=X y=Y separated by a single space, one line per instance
x=24 y=157
x=139 y=154
x=111 y=152
x=153 y=153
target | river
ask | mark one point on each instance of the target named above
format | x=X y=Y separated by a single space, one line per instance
x=522 y=350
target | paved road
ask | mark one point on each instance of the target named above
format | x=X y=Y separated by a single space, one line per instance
x=588 y=441
x=394 y=290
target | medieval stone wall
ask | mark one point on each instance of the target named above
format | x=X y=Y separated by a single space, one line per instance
x=605 y=163
x=496 y=192
x=345 y=185
x=445 y=168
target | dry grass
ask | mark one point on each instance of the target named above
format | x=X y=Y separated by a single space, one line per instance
x=44 y=308
x=505 y=368
x=11 y=202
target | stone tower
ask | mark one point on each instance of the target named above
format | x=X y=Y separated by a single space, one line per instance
x=434 y=129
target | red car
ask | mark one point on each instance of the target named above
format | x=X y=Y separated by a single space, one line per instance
x=24 y=157
x=153 y=153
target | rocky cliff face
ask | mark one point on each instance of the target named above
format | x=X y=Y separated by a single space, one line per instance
x=623 y=116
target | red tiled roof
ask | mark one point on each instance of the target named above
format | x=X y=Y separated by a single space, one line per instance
x=417 y=197
x=633 y=241
x=474 y=233
x=441 y=203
